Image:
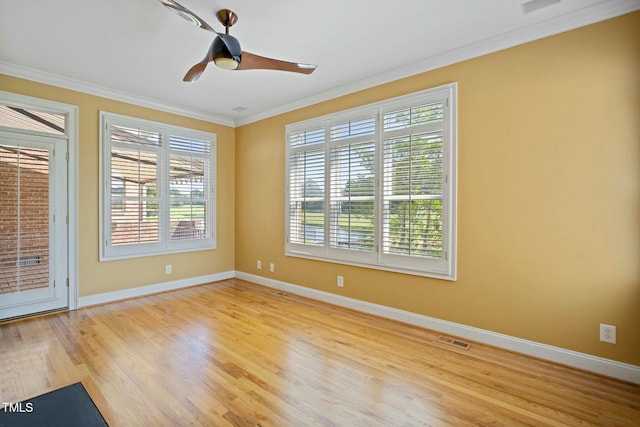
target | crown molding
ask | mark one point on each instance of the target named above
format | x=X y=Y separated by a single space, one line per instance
x=80 y=86
x=601 y=11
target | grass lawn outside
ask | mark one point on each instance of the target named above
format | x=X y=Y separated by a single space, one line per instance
x=180 y=212
x=357 y=222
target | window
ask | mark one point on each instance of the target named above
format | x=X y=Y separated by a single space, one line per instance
x=159 y=188
x=32 y=120
x=375 y=186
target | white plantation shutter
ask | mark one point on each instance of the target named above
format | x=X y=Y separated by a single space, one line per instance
x=306 y=180
x=307 y=138
x=135 y=156
x=413 y=181
x=352 y=192
x=417 y=201
x=159 y=188
x=414 y=115
x=412 y=195
x=375 y=186
x=189 y=183
x=189 y=145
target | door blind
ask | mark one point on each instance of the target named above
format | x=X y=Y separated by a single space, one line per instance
x=24 y=219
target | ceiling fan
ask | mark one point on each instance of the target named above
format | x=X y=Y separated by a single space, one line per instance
x=225 y=49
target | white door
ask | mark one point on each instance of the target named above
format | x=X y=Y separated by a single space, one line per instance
x=33 y=223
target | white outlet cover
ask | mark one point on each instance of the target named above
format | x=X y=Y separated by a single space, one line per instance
x=607 y=333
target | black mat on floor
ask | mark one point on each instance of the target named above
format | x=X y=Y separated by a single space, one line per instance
x=69 y=406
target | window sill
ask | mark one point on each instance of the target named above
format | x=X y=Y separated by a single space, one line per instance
x=383 y=267
x=116 y=257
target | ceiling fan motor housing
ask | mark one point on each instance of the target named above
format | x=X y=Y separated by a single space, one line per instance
x=226 y=52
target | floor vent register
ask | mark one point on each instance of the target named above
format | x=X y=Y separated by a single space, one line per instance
x=453 y=342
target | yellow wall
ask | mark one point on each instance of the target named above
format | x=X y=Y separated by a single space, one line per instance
x=549 y=194
x=97 y=277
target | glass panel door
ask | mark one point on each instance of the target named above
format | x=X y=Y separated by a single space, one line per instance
x=32 y=225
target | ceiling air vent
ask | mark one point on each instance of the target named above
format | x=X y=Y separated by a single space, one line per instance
x=453 y=342
x=533 y=5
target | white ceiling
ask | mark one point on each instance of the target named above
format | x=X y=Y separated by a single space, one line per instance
x=138 y=50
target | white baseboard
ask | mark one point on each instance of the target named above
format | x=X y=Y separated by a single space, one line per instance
x=599 y=365
x=152 y=289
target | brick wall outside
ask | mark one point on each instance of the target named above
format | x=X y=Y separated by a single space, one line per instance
x=25 y=257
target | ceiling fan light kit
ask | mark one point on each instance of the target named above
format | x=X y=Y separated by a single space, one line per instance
x=225 y=50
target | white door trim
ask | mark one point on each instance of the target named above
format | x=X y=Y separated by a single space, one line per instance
x=72 y=130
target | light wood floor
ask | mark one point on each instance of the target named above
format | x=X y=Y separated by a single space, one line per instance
x=234 y=353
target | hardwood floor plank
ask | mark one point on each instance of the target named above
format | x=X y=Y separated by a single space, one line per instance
x=233 y=353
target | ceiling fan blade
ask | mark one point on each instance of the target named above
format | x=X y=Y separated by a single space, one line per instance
x=196 y=71
x=250 y=61
x=187 y=14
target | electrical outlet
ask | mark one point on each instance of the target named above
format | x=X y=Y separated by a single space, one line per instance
x=259 y=265
x=167 y=269
x=340 y=282
x=272 y=267
x=608 y=333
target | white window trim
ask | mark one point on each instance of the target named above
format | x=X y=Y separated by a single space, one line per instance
x=165 y=245
x=441 y=269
